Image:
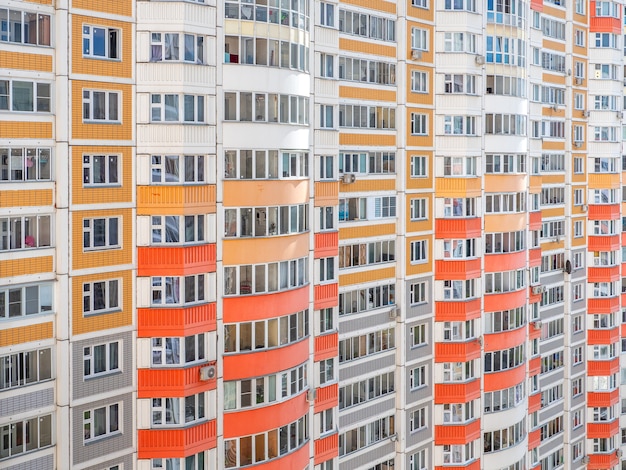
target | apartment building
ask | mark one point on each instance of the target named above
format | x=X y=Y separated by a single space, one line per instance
x=340 y=234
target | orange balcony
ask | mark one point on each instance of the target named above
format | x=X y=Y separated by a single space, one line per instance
x=534 y=403
x=176 y=261
x=256 y=364
x=326 y=295
x=263 y=306
x=164 y=443
x=453 y=435
x=458 y=228
x=505 y=261
x=253 y=421
x=534 y=366
x=297 y=459
x=457 y=270
x=176 y=321
x=604 y=24
x=475 y=465
x=326 y=448
x=602 y=368
x=604 y=243
x=534 y=439
x=602 y=461
x=172 y=382
x=533 y=332
x=326 y=244
x=326 y=193
x=534 y=256
x=495 y=302
x=601 y=399
x=604 y=212
x=457 y=311
x=504 y=339
x=504 y=379
x=606 y=274
x=606 y=305
x=168 y=200
x=326 y=346
x=457 y=352
x=602 y=430
x=457 y=392
x=327 y=397
x=603 y=336
x=535 y=220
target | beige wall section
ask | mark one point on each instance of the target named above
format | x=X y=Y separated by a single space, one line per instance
x=265 y=250
x=103 y=321
x=113 y=7
x=25 y=334
x=367 y=94
x=25 y=130
x=363 y=231
x=366 y=276
x=265 y=193
x=380 y=5
x=370 y=140
x=353 y=45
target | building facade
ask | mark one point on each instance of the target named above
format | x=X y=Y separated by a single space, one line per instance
x=340 y=234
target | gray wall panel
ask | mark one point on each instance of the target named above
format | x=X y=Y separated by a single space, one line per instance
x=27 y=401
x=348 y=418
x=368 y=456
x=365 y=366
x=127 y=460
x=45 y=462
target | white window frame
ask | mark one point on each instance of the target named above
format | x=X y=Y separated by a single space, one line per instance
x=111 y=303
x=113 y=414
x=108 y=355
x=109 y=115
x=111 y=53
x=109 y=238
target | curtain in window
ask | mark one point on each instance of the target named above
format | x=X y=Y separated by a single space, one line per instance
x=171 y=47
x=172 y=290
x=22 y=96
x=172 y=350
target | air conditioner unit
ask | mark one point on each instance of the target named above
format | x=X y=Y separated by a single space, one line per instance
x=416 y=54
x=578 y=81
x=586 y=459
x=537 y=324
x=555 y=107
x=598 y=74
x=479 y=340
x=207 y=373
x=311 y=395
x=584 y=208
x=619 y=115
x=578 y=144
x=538 y=290
x=348 y=178
x=479 y=59
x=619 y=453
x=393 y=437
x=586 y=113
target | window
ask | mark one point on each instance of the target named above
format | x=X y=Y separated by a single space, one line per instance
x=417 y=377
x=417 y=292
x=577 y=355
x=418 y=335
x=462 y=248
x=578 y=229
x=607 y=8
x=577 y=387
x=25 y=164
x=419 y=209
x=361 y=24
x=101 y=297
x=101 y=170
x=326 y=218
x=579 y=101
x=418 y=460
x=25 y=232
x=362 y=254
x=419 y=39
x=498 y=440
x=458 y=371
x=265 y=164
x=19 y=301
x=419 y=81
x=178 y=411
x=368 y=163
x=419 y=168
x=101 y=106
x=174 y=351
x=327 y=371
x=366 y=299
x=101 y=359
x=505 y=85
x=458 y=290
x=459 y=125
x=23 y=96
x=419 y=124
x=167 y=108
x=326 y=116
x=25 y=435
x=266 y=277
x=166 y=290
x=327 y=65
x=578 y=197
x=360 y=346
x=580 y=6
x=326 y=316
x=419 y=3
x=505 y=124
x=417 y=419
x=501 y=400
x=579 y=166
x=370 y=117
x=101 y=422
x=166 y=47
x=178 y=169
x=327 y=14
x=364 y=70
x=100 y=42
x=192 y=462
x=459 y=42
x=99 y=234
x=22 y=27
x=458 y=331
x=579 y=38
x=419 y=251
x=20 y=369
x=458 y=454
x=366 y=390
x=505 y=50
x=459 y=83
x=369 y=434
x=177 y=229
x=327 y=269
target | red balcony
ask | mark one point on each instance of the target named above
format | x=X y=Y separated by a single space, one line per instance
x=167 y=443
x=176 y=321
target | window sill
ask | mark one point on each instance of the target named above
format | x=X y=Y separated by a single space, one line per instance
x=95 y=440
x=101 y=312
x=102 y=375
